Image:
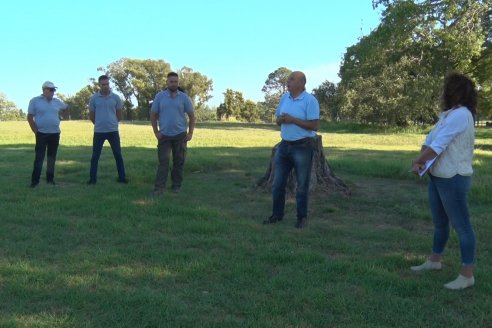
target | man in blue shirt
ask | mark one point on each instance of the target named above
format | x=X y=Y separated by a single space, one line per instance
x=298 y=117
x=105 y=111
x=43 y=115
x=168 y=119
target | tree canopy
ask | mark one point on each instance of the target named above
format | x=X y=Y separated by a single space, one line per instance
x=275 y=86
x=139 y=80
x=78 y=105
x=394 y=74
x=235 y=106
x=326 y=94
x=9 y=111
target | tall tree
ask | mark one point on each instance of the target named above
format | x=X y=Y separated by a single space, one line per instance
x=140 y=80
x=9 y=111
x=221 y=112
x=275 y=86
x=249 y=111
x=394 y=74
x=233 y=103
x=265 y=114
x=326 y=94
x=78 y=104
x=197 y=86
x=483 y=69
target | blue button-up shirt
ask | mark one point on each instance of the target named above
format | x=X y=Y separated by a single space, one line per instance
x=304 y=107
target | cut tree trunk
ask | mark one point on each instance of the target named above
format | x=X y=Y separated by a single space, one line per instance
x=322 y=176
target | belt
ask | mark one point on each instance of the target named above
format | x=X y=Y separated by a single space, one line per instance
x=297 y=142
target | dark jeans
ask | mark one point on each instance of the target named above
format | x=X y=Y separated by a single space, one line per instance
x=98 y=141
x=49 y=141
x=176 y=145
x=297 y=156
x=448 y=203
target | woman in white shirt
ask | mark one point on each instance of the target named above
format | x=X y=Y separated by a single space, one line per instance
x=452 y=142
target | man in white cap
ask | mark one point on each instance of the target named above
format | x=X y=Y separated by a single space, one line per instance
x=43 y=115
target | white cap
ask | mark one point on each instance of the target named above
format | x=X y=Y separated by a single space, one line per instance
x=48 y=85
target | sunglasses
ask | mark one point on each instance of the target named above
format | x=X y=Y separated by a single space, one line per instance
x=51 y=89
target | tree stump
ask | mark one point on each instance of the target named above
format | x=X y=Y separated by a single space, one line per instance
x=322 y=176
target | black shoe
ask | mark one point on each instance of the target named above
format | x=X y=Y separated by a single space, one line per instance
x=125 y=181
x=51 y=182
x=91 y=182
x=157 y=192
x=34 y=184
x=176 y=190
x=301 y=223
x=272 y=219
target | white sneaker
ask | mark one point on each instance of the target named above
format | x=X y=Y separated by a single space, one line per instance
x=427 y=265
x=461 y=282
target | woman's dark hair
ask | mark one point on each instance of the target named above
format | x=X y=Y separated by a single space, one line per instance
x=459 y=89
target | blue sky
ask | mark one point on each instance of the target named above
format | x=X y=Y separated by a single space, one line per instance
x=234 y=43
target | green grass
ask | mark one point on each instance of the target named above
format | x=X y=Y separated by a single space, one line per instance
x=112 y=256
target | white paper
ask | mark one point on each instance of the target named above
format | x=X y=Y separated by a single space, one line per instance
x=427 y=166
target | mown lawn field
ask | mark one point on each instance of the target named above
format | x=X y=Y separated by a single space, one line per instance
x=111 y=255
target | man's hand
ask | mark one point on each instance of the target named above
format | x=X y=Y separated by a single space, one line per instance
x=416 y=167
x=189 y=136
x=32 y=124
x=286 y=118
x=158 y=135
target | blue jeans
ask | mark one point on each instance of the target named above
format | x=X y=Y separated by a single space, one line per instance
x=448 y=203
x=97 y=145
x=287 y=157
x=45 y=143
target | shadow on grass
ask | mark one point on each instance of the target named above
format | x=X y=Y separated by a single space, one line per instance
x=485 y=133
x=241 y=166
x=141 y=162
x=237 y=126
x=113 y=254
x=484 y=147
x=222 y=125
x=326 y=127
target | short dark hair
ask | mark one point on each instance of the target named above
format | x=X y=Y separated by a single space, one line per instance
x=459 y=89
x=102 y=77
x=172 y=74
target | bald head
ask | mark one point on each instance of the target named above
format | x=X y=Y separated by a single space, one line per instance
x=300 y=75
x=296 y=83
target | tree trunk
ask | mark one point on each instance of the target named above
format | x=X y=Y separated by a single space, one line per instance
x=322 y=176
